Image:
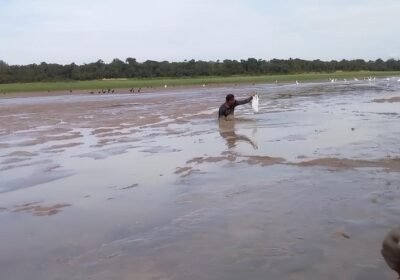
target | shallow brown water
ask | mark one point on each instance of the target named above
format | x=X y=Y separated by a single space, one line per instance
x=152 y=186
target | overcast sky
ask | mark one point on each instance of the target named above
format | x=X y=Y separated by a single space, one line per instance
x=81 y=31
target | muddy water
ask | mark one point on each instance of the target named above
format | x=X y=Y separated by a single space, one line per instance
x=152 y=187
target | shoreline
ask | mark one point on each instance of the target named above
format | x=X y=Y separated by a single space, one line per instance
x=154 y=85
x=119 y=91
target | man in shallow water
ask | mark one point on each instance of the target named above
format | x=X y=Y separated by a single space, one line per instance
x=228 y=108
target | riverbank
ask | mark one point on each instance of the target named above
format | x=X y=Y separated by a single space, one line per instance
x=96 y=86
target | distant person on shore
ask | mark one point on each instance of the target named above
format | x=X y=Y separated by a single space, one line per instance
x=228 y=108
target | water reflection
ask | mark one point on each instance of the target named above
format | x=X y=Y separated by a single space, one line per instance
x=227 y=131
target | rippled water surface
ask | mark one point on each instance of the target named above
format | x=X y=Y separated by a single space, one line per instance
x=152 y=186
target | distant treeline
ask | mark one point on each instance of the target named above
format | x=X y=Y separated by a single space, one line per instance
x=130 y=68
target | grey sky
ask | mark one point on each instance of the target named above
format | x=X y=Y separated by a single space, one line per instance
x=65 y=31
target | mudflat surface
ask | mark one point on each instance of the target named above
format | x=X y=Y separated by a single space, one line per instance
x=152 y=186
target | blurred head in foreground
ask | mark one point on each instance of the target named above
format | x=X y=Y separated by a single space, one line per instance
x=391 y=250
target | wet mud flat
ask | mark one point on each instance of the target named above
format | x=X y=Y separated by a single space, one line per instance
x=152 y=186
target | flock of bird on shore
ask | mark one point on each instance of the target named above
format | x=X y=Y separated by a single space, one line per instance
x=131 y=90
x=369 y=79
x=102 y=91
x=109 y=90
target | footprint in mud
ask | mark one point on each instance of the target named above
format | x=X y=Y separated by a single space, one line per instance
x=374 y=200
x=21 y=154
x=14 y=160
x=61 y=147
x=263 y=160
x=301 y=157
x=340 y=233
x=185 y=171
x=188 y=170
x=117 y=188
x=36 y=209
x=130 y=187
x=180 y=170
x=17 y=156
x=238 y=192
x=160 y=149
x=212 y=159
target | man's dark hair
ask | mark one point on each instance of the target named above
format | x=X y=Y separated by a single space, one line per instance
x=230 y=97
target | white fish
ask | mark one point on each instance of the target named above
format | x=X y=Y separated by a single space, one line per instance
x=254 y=103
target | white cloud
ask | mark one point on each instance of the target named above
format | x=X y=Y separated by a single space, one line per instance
x=84 y=31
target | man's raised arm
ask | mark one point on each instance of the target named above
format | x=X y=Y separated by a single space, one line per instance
x=244 y=101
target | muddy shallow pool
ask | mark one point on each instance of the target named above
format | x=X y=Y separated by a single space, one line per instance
x=152 y=186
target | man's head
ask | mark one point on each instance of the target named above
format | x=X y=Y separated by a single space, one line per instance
x=230 y=100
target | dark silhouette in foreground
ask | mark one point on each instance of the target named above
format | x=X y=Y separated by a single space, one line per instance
x=391 y=250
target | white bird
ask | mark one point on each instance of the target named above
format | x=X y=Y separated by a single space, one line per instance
x=297 y=83
x=165 y=86
x=355 y=79
x=345 y=80
x=332 y=80
x=204 y=85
